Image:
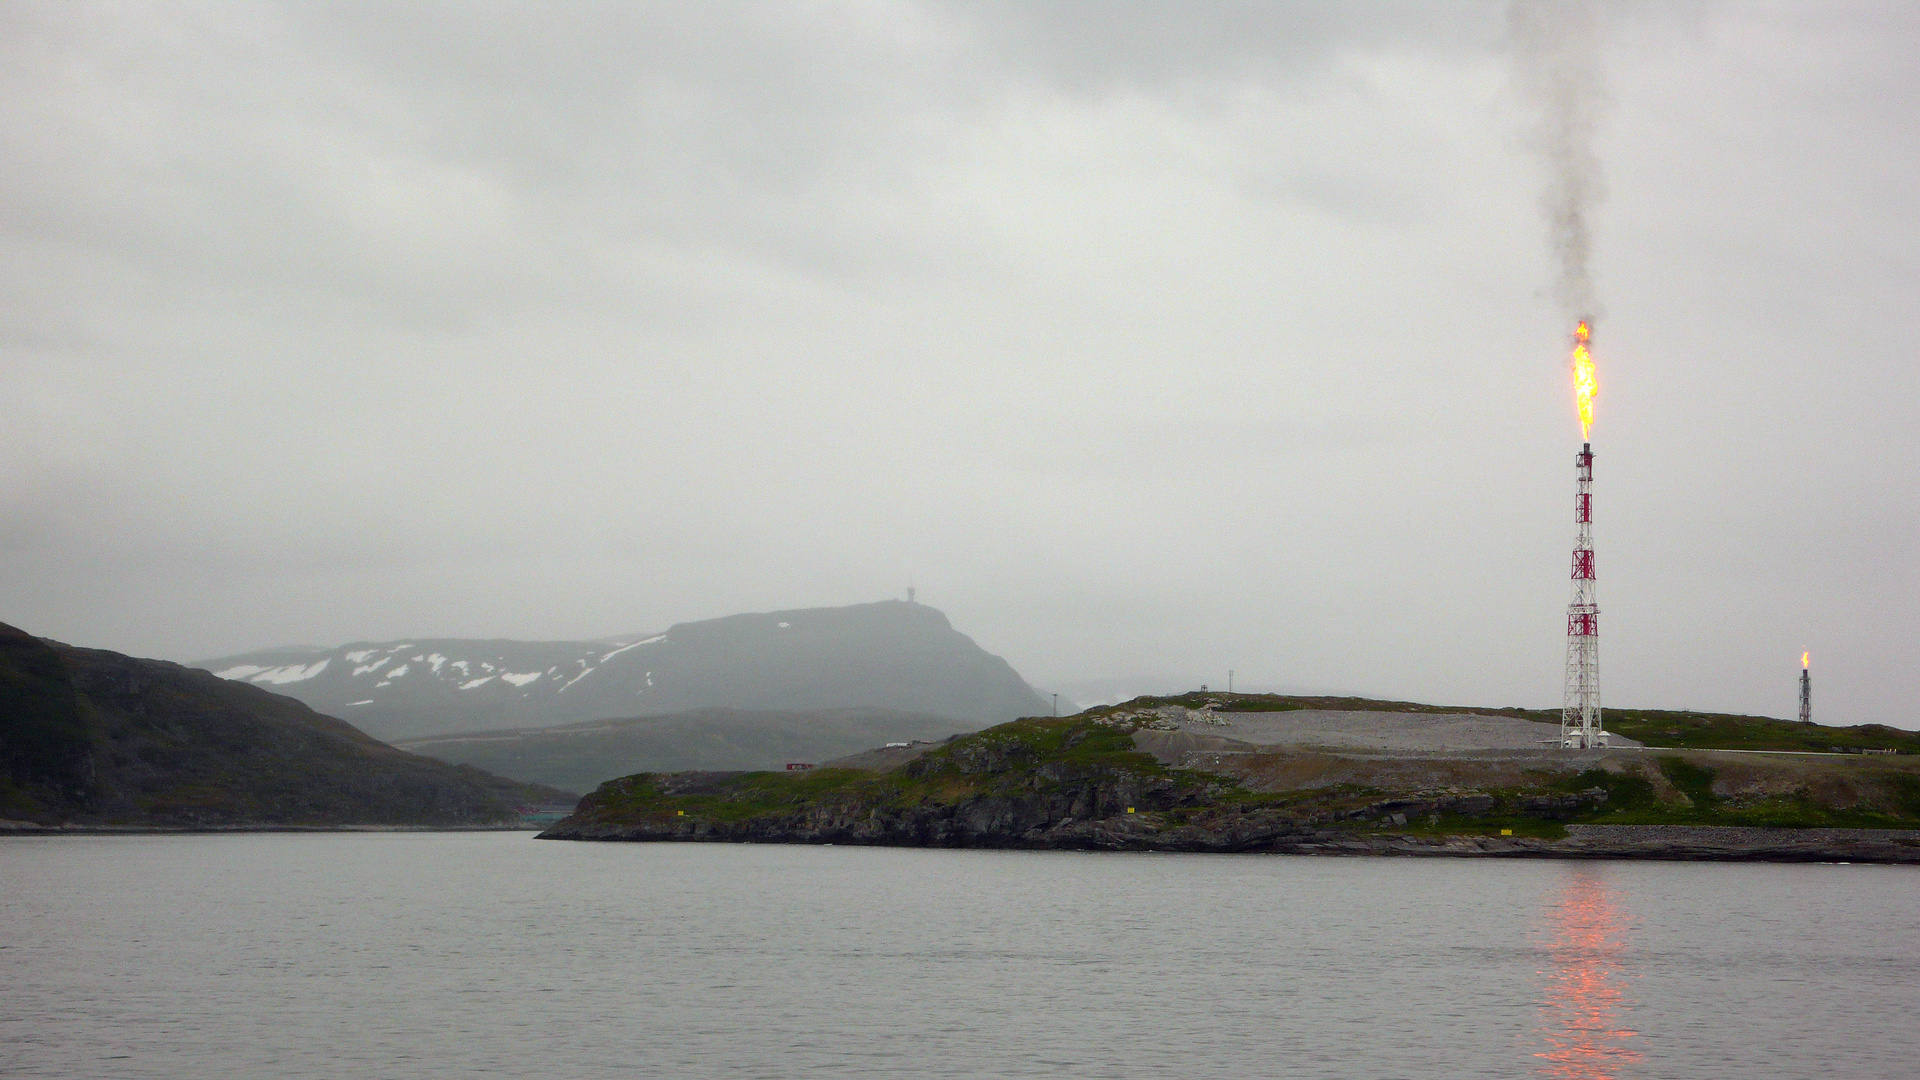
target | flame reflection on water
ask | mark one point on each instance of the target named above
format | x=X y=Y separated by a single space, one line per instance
x=1583 y=1002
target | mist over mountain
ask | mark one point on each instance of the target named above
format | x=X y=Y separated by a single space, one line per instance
x=890 y=655
x=581 y=757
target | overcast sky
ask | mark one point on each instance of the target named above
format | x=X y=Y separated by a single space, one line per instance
x=1145 y=340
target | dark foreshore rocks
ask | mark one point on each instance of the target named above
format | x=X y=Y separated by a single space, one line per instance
x=1001 y=826
x=1735 y=842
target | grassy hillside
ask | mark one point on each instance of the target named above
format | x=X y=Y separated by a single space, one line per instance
x=1041 y=781
x=45 y=738
x=1653 y=727
x=93 y=737
x=1719 y=731
x=1087 y=769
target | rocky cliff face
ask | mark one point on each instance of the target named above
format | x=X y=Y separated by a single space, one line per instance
x=896 y=656
x=94 y=737
x=1036 y=786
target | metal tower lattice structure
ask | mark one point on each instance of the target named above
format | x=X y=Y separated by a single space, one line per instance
x=1806 y=695
x=1580 y=716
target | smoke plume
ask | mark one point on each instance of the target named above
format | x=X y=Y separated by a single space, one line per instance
x=1557 y=72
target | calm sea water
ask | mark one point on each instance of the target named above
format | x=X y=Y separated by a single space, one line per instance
x=467 y=955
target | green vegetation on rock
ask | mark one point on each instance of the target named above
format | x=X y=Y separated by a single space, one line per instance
x=1667 y=729
x=1721 y=731
x=1067 y=768
x=1081 y=781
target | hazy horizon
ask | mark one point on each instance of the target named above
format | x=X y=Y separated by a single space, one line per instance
x=1139 y=340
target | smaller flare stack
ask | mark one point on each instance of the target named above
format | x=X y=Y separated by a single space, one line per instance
x=1580 y=715
x=1806 y=688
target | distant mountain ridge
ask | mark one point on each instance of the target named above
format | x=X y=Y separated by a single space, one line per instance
x=582 y=756
x=889 y=655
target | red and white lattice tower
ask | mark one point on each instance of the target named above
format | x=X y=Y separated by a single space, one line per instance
x=1580 y=717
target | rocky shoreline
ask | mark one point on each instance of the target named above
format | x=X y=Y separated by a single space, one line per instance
x=31 y=828
x=1153 y=776
x=1256 y=832
x=1701 y=843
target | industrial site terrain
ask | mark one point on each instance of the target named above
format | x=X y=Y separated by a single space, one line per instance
x=1248 y=773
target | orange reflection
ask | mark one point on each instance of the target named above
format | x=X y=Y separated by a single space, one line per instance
x=1584 y=1002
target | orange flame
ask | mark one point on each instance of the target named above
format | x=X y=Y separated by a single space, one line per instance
x=1804 y=657
x=1583 y=384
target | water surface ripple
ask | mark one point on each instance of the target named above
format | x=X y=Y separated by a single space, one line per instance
x=413 y=955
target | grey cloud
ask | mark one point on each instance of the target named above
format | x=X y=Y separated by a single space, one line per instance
x=1144 y=338
x=1099 y=45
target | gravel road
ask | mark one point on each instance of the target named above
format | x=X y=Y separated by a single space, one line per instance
x=1383 y=731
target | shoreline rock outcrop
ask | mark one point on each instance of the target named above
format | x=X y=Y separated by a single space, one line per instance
x=1087 y=783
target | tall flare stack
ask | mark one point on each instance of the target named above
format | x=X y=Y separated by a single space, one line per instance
x=1806 y=688
x=1580 y=716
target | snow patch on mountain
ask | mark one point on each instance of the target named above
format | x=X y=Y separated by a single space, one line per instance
x=635 y=645
x=278 y=676
x=889 y=655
